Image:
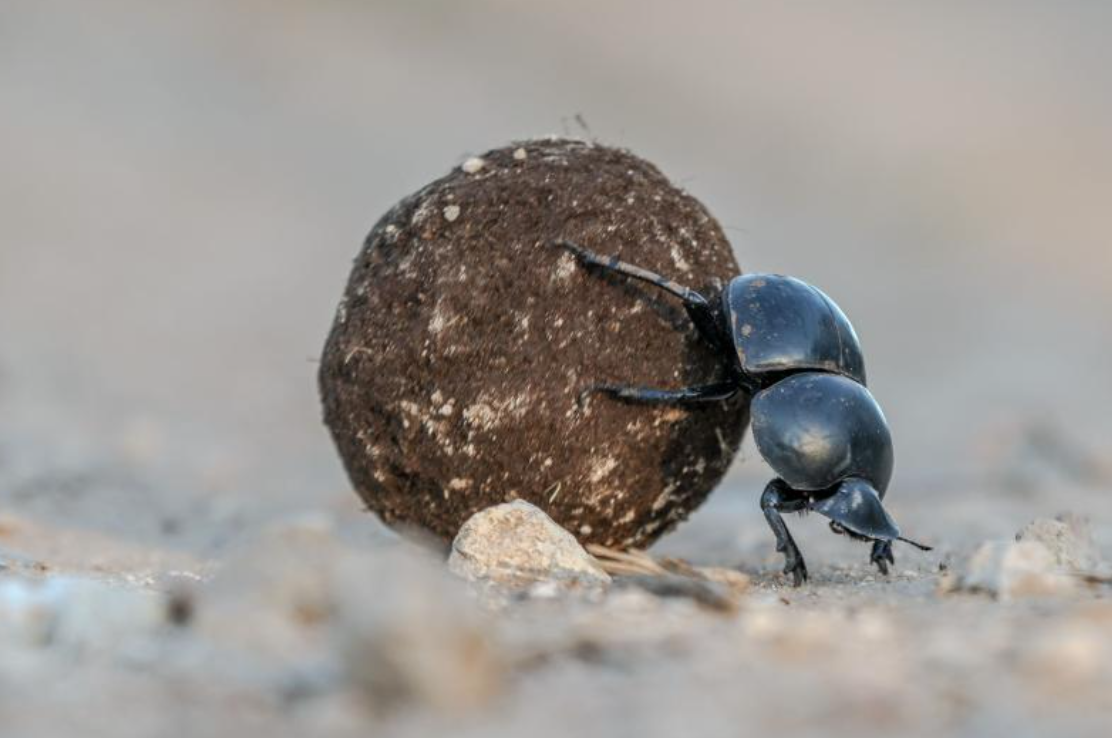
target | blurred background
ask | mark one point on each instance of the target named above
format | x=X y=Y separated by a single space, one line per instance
x=184 y=186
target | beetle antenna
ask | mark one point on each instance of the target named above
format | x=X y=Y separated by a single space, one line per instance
x=919 y=546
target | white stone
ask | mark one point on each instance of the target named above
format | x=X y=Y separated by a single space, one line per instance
x=473 y=165
x=517 y=545
x=1069 y=540
x=1009 y=569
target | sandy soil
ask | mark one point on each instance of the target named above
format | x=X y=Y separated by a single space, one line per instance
x=183 y=192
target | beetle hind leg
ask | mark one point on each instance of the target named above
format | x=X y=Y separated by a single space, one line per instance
x=881 y=555
x=778 y=498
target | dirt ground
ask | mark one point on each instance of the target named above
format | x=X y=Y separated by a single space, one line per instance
x=183 y=192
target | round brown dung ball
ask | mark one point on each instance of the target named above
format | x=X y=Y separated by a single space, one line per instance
x=464 y=337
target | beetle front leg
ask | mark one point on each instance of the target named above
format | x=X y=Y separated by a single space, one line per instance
x=778 y=497
x=698 y=308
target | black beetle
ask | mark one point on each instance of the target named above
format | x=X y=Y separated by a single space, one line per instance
x=793 y=351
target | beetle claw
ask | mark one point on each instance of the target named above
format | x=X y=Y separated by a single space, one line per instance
x=796 y=567
x=798 y=573
x=882 y=556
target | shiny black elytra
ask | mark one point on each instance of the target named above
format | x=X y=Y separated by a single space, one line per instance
x=789 y=347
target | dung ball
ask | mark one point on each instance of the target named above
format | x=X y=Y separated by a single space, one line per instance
x=464 y=337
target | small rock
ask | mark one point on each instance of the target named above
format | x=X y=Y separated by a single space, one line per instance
x=520 y=154
x=451 y=212
x=1068 y=538
x=515 y=545
x=1007 y=569
x=546 y=590
x=473 y=165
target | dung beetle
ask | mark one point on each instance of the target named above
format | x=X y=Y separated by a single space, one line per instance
x=787 y=346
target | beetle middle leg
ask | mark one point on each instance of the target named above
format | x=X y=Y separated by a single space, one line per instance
x=651 y=396
x=778 y=498
x=697 y=307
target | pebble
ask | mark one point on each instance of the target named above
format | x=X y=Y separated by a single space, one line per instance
x=1068 y=538
x=1009 y=569
x=473 y=165
x=516 y=545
